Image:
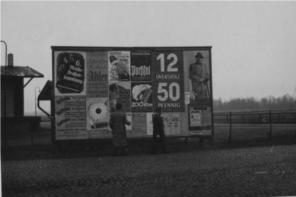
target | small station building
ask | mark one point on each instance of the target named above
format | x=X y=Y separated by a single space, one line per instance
x=14 y=79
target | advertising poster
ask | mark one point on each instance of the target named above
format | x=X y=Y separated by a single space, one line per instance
x=129 y=118
x=141 y=97
x=140 y=66
x=119 y=65
x=70 y=73
x=187 y=97
x=97 y=114
x=149 y=123
x=70 y=117
x=199 y=119
x=120 y=92
x=172 y=123
x=195 y=117
x=139 y=124
x=197 y=77
x=168 y=80
x=97 y=74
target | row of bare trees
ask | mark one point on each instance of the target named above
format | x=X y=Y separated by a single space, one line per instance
x=285 y=102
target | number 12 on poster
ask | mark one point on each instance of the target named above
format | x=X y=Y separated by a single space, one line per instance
x=168 y=75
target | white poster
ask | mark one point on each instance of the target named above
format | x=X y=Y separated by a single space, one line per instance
x=149 y=124
x=195 y=118
x=97 y=113
x=172 y=123
x=187 y=97
x=129 y=119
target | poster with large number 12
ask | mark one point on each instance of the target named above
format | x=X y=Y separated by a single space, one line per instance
x=168 y=80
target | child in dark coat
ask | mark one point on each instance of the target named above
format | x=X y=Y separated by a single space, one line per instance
x=158 y=132
x=117 y=123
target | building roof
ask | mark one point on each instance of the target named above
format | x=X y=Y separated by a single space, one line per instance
x=20 y=71
x=46 y=92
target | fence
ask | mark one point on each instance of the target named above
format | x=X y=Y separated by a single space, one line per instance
x=255 y=117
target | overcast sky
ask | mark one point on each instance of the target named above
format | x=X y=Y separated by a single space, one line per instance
x=254 y=44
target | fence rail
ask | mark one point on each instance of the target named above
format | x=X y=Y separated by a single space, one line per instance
x=268 y=117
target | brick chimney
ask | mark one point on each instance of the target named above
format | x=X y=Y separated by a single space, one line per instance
x=10 y=60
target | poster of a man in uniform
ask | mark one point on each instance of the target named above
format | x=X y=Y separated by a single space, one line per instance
x=199 y=78
x=198 y=84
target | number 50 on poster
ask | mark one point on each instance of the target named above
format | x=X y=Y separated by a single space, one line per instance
x=168 y=77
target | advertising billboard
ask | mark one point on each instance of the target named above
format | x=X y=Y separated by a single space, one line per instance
x=90 y=81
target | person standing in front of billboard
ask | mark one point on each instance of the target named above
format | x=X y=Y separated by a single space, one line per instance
x=158 y=132
x=113 y=96
x=199 y=78
x=118 y=121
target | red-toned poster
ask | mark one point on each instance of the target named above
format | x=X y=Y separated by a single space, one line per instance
x=167 y=77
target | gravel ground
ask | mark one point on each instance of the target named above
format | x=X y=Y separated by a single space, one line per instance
x=249 y=171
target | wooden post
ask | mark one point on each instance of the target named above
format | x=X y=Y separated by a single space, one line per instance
x=230 y=127
x=32 y=137
x=186 y=140
x=270 y=124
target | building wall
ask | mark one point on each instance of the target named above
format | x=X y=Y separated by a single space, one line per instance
x=12 y=97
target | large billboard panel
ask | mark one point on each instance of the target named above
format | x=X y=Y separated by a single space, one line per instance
x=90 y=81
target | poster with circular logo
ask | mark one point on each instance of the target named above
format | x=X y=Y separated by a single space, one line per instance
x=97 y=113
